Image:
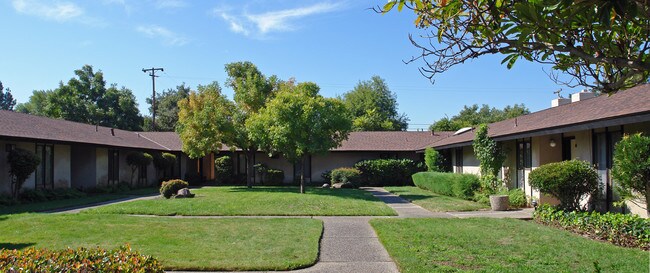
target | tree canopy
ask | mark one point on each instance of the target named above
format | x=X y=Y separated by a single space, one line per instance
x=166 y=108
x=374 y=107
x=600 y=44
x=474 y=115
x=299 y=122
x=7 y=101
x=86 y=99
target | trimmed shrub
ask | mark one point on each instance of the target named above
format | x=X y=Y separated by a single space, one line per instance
x=517 y=197
x=387 y=172
x=433 y=160
x=223 y=170
x=163 y=162
x=343 y=175
x=41 y=195
x=171 y=187
x=569 y=181
x=137 y=159
x=274 y=177
x=631 y=168
x=620 y=229
x=327 y=176
x=122 y=259
x=22 y=163
x=450 y=184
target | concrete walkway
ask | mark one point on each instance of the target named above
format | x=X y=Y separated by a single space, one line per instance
x=77 y=209
x=349 y=243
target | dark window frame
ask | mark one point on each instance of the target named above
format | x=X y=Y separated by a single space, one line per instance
x=42 y=154
x=113 y=165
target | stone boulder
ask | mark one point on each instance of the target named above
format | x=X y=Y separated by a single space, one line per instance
x=344 y=185
x=326 y=186
x=184 y=193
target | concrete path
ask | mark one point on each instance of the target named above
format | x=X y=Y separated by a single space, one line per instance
x=77 y=209
x=403 y=207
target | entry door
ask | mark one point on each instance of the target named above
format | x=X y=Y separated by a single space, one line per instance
x=604 y=144
x=524 y=162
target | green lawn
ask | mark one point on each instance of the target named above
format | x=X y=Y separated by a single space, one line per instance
x=179 y=243
x=67 y=203
x=498 y=245
x=258 y=201
x=435 y=202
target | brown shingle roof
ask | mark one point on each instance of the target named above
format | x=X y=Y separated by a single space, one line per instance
x=169 y=140
x=19 y=125
x=390 y=141
x=632 y=102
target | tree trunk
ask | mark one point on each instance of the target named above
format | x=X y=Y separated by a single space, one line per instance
x=250 y=175
x=302 y=174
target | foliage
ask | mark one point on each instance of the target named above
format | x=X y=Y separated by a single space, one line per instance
x=490 y=155
x=569 y=181
x=122 y=259
x=7 y=101
x=387 y=172
x=41 y=195
x=136 y=160
x=345 y=175
x=451 y=184
x=274 y=177
x=600 y=44
x=166 y=108
x=223 y=169
x=171 y=187
x=86 y=99
x=22 y=163
x=299 y=122
x=433 y=160
x=471 y=116
x=631 y=168
x=620 y=229
x=163 y=162
x=326 y=176
x=435 y=202
x=516 y=197
x=374 y=107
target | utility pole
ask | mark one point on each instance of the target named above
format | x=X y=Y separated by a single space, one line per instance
x=152 y=73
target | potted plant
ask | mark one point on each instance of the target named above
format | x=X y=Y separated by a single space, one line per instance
x=491 y=157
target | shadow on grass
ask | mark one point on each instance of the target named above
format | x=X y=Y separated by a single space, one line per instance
x=341 y=193
x=18 y=246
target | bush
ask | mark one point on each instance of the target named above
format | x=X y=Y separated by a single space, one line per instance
x=621 y=229
x=137 y=159
x=517 y=197
x=387 y=172
x=163 y=162
x=631 y=168
x=171 y=187
x=569 y=181
x=22 y=163
x=274 y=177
x=450 y=184
x=344 y=175
x=223 y=170
x=433 y=160
x=327 y=176
x=41 y=195
x=122 y=259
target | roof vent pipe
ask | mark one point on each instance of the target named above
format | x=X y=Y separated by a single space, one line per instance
x=112 y=131
x=582 y=95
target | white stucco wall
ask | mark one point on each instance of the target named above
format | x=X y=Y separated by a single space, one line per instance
x=101 y=166
x=62 y=172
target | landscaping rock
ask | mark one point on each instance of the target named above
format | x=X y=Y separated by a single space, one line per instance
x=345 y=185
x=326 y=186
x=184 y=193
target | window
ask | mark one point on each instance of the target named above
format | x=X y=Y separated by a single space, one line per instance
x=45 y=170
x=459 y=159
x=113 y=166
x=142 y=174
x=524 y=154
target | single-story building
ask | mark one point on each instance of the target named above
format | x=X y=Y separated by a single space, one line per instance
x=585 y=127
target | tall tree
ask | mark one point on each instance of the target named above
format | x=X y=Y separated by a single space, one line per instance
x=7 y=101
x=298 y=122
x=600 y=44
x=167 y=108
x=374 y=107
x=86 y=99
x=474 y=115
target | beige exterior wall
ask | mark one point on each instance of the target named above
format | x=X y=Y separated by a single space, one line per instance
x=101 y=166
x=62 y=166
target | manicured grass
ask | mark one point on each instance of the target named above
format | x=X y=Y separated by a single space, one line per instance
x=498 y=245
x=179 y=243
x=435 y=202
x=258 y=201
x=67 y=203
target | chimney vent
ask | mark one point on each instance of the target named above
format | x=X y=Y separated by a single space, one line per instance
x=560 y=101
x=112 y=131
x=582 y=95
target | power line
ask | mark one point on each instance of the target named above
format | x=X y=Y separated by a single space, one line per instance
x=152 y=73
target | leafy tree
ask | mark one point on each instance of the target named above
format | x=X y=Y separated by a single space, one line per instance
x=601 y=44
x=433 y=160
x=166 y=108
x=299 y=122
x=374 y=107
x=22 y=163
x=631 y=168
x=86 y=99
x=136 y=160
x=471 y=116
x=490 y=155
x=7 y=101
x=163 y=162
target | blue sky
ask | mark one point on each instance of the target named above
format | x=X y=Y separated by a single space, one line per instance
x=332 y=43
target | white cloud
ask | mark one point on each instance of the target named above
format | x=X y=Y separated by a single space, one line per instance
x=57 y=11
x=168 y=37
x=170 y=4
x=272 y=21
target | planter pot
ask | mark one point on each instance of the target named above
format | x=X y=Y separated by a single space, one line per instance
x=499 y=202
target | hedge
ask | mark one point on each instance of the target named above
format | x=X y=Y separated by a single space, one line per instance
x=569 y=181
x=122 y=259
x=171 y=187
x=343 y=175
x=388 y=172
x=450 y=184
x=620 y=229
